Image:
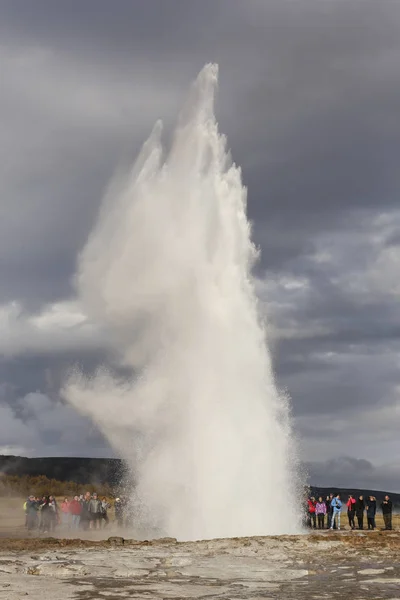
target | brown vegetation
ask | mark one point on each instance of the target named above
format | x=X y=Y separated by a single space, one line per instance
x=22 y=486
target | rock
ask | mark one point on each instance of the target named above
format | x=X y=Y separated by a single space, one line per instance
x=116 y=541
x=33 y=570
x=371 y=571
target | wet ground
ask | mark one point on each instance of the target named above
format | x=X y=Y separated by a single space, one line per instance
x=356 y=565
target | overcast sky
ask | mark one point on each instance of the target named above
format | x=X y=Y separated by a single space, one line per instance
x=310 y=101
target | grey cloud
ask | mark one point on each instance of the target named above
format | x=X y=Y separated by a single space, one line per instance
x=355 y=473
x=46 y=372
x=302 y=90
x=65 y=128
x=393 y=239
x=334 y=320
x=47 y=428
x=322 y=120
x=309 y=99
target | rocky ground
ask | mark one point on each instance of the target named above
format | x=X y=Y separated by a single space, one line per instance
x=356 y=565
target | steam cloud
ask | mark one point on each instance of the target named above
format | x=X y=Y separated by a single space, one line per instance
x=167 y=270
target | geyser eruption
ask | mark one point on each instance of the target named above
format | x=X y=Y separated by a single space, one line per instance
x=167 y=271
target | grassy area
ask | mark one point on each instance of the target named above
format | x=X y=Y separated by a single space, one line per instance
x=378 y=521
x=12 y=517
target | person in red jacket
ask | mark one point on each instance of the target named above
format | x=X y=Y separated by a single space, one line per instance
x=312 y=519
x=75 y=508
x=65 y=513
x=351 y=511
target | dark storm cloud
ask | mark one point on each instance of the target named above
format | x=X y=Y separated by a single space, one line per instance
x=342 y=471
x=337 y=344
x=309 y=98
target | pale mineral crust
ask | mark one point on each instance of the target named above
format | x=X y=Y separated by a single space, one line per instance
x=352 y=565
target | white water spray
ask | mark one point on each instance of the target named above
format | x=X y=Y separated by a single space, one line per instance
x=167 y=270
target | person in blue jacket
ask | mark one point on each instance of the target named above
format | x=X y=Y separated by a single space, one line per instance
x=336 y=504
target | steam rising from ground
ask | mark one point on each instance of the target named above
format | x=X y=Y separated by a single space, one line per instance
x=167 y=269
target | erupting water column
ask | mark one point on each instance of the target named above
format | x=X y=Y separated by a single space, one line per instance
x=167 y=272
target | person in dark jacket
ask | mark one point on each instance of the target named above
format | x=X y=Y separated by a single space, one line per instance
x=359 y=509
x=371 y=512
x=85 y=513
x=40 y=504
x=119 y=512
x=54 y=513
x=96 y=511
x=387 y=508
x=46 y=510
x=329 y=511
x=104 y=508
x=31 y=513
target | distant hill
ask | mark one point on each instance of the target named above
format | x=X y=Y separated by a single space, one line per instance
x=80 y=470
x=111 y=470
x=345 y=492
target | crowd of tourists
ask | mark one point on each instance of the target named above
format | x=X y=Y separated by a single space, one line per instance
x=82 y=512
x=91 y=512
x=322 y=513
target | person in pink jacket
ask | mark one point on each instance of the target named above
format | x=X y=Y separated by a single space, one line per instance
x=320 y=511
x=351 y=511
